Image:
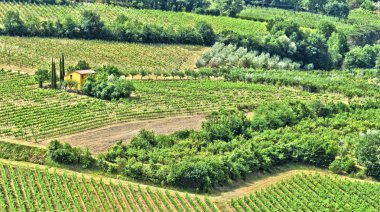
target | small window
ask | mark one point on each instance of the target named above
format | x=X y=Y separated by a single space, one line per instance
x=82 y=76
x=71 y=77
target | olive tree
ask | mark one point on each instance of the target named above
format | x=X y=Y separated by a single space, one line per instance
x=41 y=76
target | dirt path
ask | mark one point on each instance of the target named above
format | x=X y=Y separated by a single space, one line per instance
x=101 y=139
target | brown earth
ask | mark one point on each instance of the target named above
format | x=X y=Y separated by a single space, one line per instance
x=100 y=139
x=27 y=70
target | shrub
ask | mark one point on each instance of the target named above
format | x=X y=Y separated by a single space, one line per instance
x=66 y=154
x=107 y=86
x=368 y=153
x=345 y=165
x=362 y=57
x=279 y=114
x=225 y=125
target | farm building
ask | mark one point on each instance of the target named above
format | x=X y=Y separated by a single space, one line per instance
x=79 y=76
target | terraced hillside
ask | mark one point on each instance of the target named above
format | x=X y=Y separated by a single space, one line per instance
x=313 y=193
x=27 y=189
x=29 y=54
x=31 y=114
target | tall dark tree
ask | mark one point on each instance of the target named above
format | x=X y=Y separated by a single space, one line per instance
x=62 y=68
x=53 y=75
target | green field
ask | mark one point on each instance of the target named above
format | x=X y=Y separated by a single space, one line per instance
x=109 y=13
x=357 y=18
x=33 y=53
x=304 y=19
x=313 y=193
x=31 y=113
x=26 y=189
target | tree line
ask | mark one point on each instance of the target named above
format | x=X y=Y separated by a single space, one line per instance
x=90 y=26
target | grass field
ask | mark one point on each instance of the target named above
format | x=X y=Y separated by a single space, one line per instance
x=29 y=189
x=29 y=54
x=313 y=192
x=31 y=113
x=109 y=13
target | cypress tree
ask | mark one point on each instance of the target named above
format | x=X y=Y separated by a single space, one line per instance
x=53 y=75
x=63 y=65
x=62 y=68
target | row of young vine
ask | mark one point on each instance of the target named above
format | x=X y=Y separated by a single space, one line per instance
x=26 y=189
x=313 y=192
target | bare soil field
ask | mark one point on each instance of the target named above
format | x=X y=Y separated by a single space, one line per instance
x=100 y=139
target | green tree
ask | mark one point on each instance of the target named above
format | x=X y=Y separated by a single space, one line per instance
x=206 y=32
x=53 y=76
x=33 y=25
x=337 y=47
x=361 y=57
x=230 y=7
x=70 y=28
x=70 y=84
x=316 y=52
x=41 y=76
x=337 y=9
x=225 y=125
x=82 y=65
x=316 y=5
x=62 y=68
x=368 y=5
x=326 y=29
x=13 y=25
x=368 y=153
x=91 y=26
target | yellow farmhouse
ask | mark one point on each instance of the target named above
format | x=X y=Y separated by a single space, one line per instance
x=79 y=76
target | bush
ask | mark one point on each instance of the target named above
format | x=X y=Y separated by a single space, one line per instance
x=368 y=153
x=345 y=165
x=225 y=125
x=362 y=57
x=190 y=174
x=66 y=154
x=279 y=114
x=108 y=87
